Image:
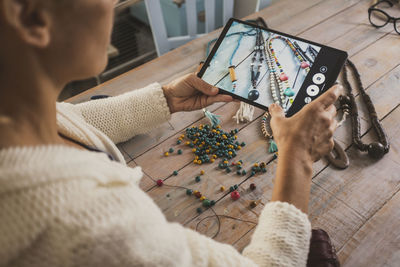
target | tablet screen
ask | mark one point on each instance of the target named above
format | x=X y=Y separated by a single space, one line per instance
x=264 y=67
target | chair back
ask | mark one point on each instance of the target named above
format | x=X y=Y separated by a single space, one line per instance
x=157 y=23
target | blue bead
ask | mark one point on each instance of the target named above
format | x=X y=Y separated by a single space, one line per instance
x=178 y=142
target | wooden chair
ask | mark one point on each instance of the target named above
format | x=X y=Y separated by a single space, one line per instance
x=163 y=42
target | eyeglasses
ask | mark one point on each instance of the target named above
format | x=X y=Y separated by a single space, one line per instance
x=379 y=18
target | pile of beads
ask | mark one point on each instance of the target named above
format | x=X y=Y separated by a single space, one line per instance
x=209 y=143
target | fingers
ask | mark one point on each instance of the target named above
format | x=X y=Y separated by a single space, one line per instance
x=276 y=111
x=331 y=112
x=201 y=85
x=329 y=97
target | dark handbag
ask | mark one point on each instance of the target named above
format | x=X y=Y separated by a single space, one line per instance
x=322 y=253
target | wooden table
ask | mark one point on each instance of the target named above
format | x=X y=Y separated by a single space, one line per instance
x=358 y=207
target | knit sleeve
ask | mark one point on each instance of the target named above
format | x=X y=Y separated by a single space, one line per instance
x=282 y=237
x=124 y=116
x=127 y=232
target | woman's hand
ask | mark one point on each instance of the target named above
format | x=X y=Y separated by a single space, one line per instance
x=302 y=139
x=190 y=93
x=311 y=129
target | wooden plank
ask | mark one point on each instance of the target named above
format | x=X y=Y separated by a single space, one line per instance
x=377 y=243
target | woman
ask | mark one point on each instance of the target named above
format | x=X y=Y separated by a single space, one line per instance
x=64 y=203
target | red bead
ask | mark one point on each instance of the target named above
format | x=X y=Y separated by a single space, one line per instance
x=252 y=186
x=304 y=65
x=160 y=182
x=198 y=194
x=235 y=195
x=283 y=77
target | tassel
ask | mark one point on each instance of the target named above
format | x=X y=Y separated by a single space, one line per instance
x=272 y=146
x=244 y=113
x=214 y=119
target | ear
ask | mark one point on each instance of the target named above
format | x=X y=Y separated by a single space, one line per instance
x=30 y=19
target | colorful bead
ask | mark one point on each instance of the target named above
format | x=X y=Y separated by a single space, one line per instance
x=189 y=192
x=206 y=203
x=197 y=179
x=244 y=172
x=253 y=204
x=252 y=186
x=202 y=198
x=202 y=172
x=199 y=210
x=304 y=65
x=175 y=173
x=231 y=189
x=166 y=154
x=235 y=195
x=283 y=77
x=238 y=172
x=212 y=202
x=160 y=182
x=236 y=186
x=197 y=194
x=179 y=151
x=178 y=142
x=222 y=188
x=171 y=150
x=228 y=170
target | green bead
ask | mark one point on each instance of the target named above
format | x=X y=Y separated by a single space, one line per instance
x=171 y=150
x=243 y=144
x=175 y=173
x=198 y=179
x=264 y=170
x=244 y=172
x=189 y=192
x=252 y=173
x=178 y=142
x=206 y=203
x=179 y=151
x=231 y=189
x=236 y=186
x=212 y=202
x=199 y=210
x=228 y=170
x=238 y=172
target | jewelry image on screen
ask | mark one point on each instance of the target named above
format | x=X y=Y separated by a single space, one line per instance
x=261 y=66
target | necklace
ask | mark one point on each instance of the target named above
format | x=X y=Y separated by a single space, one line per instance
x=273 y=78
x=283 y=78
x=255 y=70
x=348 y=105
x=375 y=150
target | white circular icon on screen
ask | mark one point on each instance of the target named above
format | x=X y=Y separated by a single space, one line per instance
x=307 y=99
x=312 y=90
x=323 y=69
x=318 y=78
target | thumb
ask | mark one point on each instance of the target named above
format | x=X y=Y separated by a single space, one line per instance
x=276 y=111
x=202 y=86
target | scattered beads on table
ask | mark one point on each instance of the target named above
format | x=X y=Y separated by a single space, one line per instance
x=235 y=195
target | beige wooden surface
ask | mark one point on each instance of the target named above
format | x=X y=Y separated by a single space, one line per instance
x=358 y=207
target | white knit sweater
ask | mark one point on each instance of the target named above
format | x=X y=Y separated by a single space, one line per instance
x=61 y=206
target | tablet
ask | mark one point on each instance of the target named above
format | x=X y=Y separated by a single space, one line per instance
x=261 y=66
